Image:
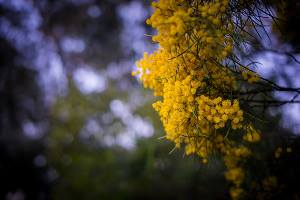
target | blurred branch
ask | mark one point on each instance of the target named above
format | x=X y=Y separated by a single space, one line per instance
x=290 y=54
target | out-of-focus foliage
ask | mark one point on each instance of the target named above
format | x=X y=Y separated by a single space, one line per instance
x=288 y=17
x=21 y=110
x=41 y=43
x=90 y=169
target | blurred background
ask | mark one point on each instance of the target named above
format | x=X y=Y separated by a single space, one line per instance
x=74 y=123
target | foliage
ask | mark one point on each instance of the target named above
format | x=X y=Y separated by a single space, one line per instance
x=88 y=168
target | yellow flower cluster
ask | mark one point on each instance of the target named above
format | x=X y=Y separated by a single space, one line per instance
x=235 y=173
x=250 y=76
x=183 y=25
x=252 y=134
x=218 y=111
x=191 y=74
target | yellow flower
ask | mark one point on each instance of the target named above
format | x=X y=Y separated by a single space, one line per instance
x=189 y=73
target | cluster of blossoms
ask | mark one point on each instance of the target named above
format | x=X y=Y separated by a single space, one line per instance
x=191 y=71
x=250 y=76
x=217 y=112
